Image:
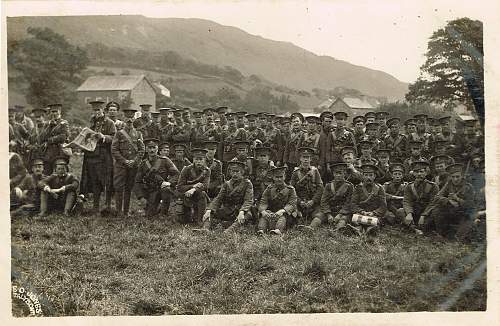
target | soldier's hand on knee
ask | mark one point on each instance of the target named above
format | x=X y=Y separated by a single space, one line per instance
x=241 y=217
x=280 y=212
x=408 y=219
x=421 y=220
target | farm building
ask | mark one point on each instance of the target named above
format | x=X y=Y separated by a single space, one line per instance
x=118 y=88
x=352 y=106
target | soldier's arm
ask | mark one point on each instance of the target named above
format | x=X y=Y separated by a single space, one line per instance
x=182 y=185
x=206 y=180
x=319 y=187
x=355 y=202
x=139 y=184
x=291 y=204
x=172 y=171
x=62 y=136
x=72 y=183
x=216 y=177
x=432 y=203
x=264 y=202
x=216 y=202
x=325 y=200
x=408 y=200
x=115 y=149
x=141 y=149
x=110 y=133
x=346 y=206
x=382 y=208
x=18 y=166
x=247 y=198
x=294 y=178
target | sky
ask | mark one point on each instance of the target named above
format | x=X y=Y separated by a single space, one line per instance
x=386 y=35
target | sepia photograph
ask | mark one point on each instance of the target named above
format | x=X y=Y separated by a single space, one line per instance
x=241 y=158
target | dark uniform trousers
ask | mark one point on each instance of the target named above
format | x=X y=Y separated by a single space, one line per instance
x=396 y=212
x=196 y=204
x=419 y=200
x=274 y=199
x=151 y=173
x=65 y=201
x=234 y=196
x=450 y=220
x=308 y=187
x=126 y=146
x=335 y=199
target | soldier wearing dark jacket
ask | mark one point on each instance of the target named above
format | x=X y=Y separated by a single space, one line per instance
x=278 y=205
x=394 y=194
x=145 y=123
x=230 y=136
x=308 y=186
x=454 y=209
x=342 y=137
x=260 y=177
x=128 y=150
x=336 y=199
x=234 y=201
x=192 y=189
x=55 y=133
x=59 y=190
x=155 y=179
x=97 y=168
x=395 y=141
x=291 y=154
x=215 y=166
x=179 y=158
x=325 y=144
x=419 y=196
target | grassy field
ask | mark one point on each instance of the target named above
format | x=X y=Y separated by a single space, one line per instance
x=91 y=265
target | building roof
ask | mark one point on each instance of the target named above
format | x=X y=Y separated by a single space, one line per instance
x=111 y=83
x=326 y=104
x=356 y=103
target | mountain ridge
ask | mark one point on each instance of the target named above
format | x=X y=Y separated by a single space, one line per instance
x=209 y=42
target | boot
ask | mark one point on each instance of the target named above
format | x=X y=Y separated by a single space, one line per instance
x=315 y=223
x=281 y=224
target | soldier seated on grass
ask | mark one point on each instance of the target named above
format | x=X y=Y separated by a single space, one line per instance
x=368 y=202
x=25 y=196
x=234 y=201
x=59 y=190
x=278 y=205
x=454 y=211
x=394 y=194
x=418 y=198
x=335 y=200
x=155 y=178
x=192 y=189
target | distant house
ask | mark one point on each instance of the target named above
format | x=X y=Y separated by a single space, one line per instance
x=352 y=106
x=118 y=88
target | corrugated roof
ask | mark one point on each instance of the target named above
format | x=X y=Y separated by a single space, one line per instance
x=111 y=83
x=356 y=103
x=326 y=104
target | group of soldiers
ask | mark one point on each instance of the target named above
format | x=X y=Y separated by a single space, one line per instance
x=215 y=167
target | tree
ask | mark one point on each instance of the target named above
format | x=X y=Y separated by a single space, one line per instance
x=226 y=97
x=453 y=71
x=49 y=65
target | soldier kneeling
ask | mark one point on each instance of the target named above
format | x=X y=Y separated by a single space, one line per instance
x=278 y=205
x=58 y=190
x=192 y=189
x=234 y=201
x=336 y=199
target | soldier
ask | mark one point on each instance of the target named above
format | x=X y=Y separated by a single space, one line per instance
x=97 y=168
x=17 y=176
x=421 y=132
x=341 y=136
x=291 y=157
x=127 y=149
x=111 y=111
x=469 y=144
x=255 y=135
x=232 y=134
x=180 y=159
x=233 y=202
x=383 y=158
x=454 y=207
x=283 y=123
x=164 y=149
x=369 y=199
x=325 y=145
x=192 y=187
x=438 y=172
x=166 y=124
x=273 y=139
x=353 y=175
x=55 y=133
x=23 y=120
x=260 y=172
x=381 y=118
x=411 y=129
x=366 y=154
x=394 y=194
x=240 y=119
x=370 y=117
x=372 y=130
x=29 y=191
x=308 y=186
x=278 y=205
x=415 y=147
x=35 y=147
x=335 y=200
x=310 y=138
x=419 y=197
x=145 y=123
x=197 y=136
x=181 y=133
x=359 y=128
x=155 y=178
x=222 y=115
x=215 y=166
x=58 y=190
x=395 y=141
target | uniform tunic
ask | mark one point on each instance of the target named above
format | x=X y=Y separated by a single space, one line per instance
x=55 y=133
x=369 y=199
x=336 y=199
x=233 y=197
x=308 y=186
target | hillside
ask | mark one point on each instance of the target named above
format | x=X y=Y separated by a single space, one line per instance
x=211 y=43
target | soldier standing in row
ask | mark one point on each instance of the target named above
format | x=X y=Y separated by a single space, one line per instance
x=52 y=137
x=155 y=179
x=97 y=168
x=395 y=141
x=215 y=166
x=325 y=145
x=342 y=137
x=230 y=136
x=234 y=201
x=291 y=155
x=128 y=150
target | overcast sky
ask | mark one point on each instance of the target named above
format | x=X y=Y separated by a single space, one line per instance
x=387 y=35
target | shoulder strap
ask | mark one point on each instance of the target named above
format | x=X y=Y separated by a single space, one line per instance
x=127 y=137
